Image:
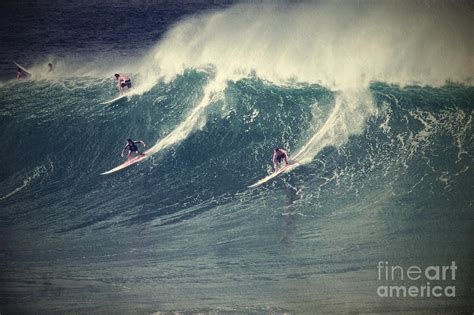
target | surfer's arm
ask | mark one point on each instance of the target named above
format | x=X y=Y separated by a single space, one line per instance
x=123 y=150
x=144 y=144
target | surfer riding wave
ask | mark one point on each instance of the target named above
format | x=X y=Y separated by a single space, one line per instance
x=279 y=155
x=132 y=147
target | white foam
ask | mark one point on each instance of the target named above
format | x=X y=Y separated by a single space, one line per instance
x=340 y=45
x=347 y=118
x=195 y=118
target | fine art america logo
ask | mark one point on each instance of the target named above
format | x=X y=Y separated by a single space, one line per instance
x=403 y=281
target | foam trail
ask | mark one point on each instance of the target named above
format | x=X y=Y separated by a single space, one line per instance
x=36 y=173
x=25 y=183
x=194 y=120
x=347 y=118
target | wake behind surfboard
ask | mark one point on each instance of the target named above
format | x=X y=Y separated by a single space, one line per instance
x=286 y=169
x=126 y=164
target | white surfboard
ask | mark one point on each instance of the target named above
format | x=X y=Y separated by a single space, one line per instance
x=114 y=100
x=127 y=164
x=285 y=169
x=22 y=68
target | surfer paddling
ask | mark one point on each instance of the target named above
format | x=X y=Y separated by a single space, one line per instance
x=123 y=81
x=279 y=155
x=132 y=147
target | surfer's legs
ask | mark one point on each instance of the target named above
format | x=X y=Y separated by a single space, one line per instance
x=277 y=163
x=137 y=152
x=122 y=86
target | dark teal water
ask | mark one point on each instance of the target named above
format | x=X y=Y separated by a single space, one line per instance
x=387 y=176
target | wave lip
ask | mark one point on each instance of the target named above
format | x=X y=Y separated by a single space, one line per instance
x=340 y=46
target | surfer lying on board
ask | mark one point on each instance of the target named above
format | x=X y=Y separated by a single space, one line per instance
x=278 y=156
x=132 y=147
x=123 y=81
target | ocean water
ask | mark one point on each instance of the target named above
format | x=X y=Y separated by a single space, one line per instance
x=374 y=99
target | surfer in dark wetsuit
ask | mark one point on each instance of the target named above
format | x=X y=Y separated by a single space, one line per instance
x=132 y=147
x=20 y=74
x=278 y=156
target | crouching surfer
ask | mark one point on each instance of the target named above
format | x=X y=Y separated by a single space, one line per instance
x=21 y=74
x=279 y=155
x=132 y=147
x=123 y=81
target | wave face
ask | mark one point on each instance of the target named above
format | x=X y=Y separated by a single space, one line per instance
x=373 y=100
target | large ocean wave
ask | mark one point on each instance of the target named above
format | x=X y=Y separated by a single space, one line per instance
x=372 y=100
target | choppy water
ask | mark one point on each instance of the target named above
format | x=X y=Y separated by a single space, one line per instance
x=381 y=122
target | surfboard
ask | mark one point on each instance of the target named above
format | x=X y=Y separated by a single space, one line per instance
x=22 y=68
x=284 y=169
x=127 y=164
x=113 y=100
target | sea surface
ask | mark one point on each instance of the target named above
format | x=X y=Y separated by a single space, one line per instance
x=375 y=99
